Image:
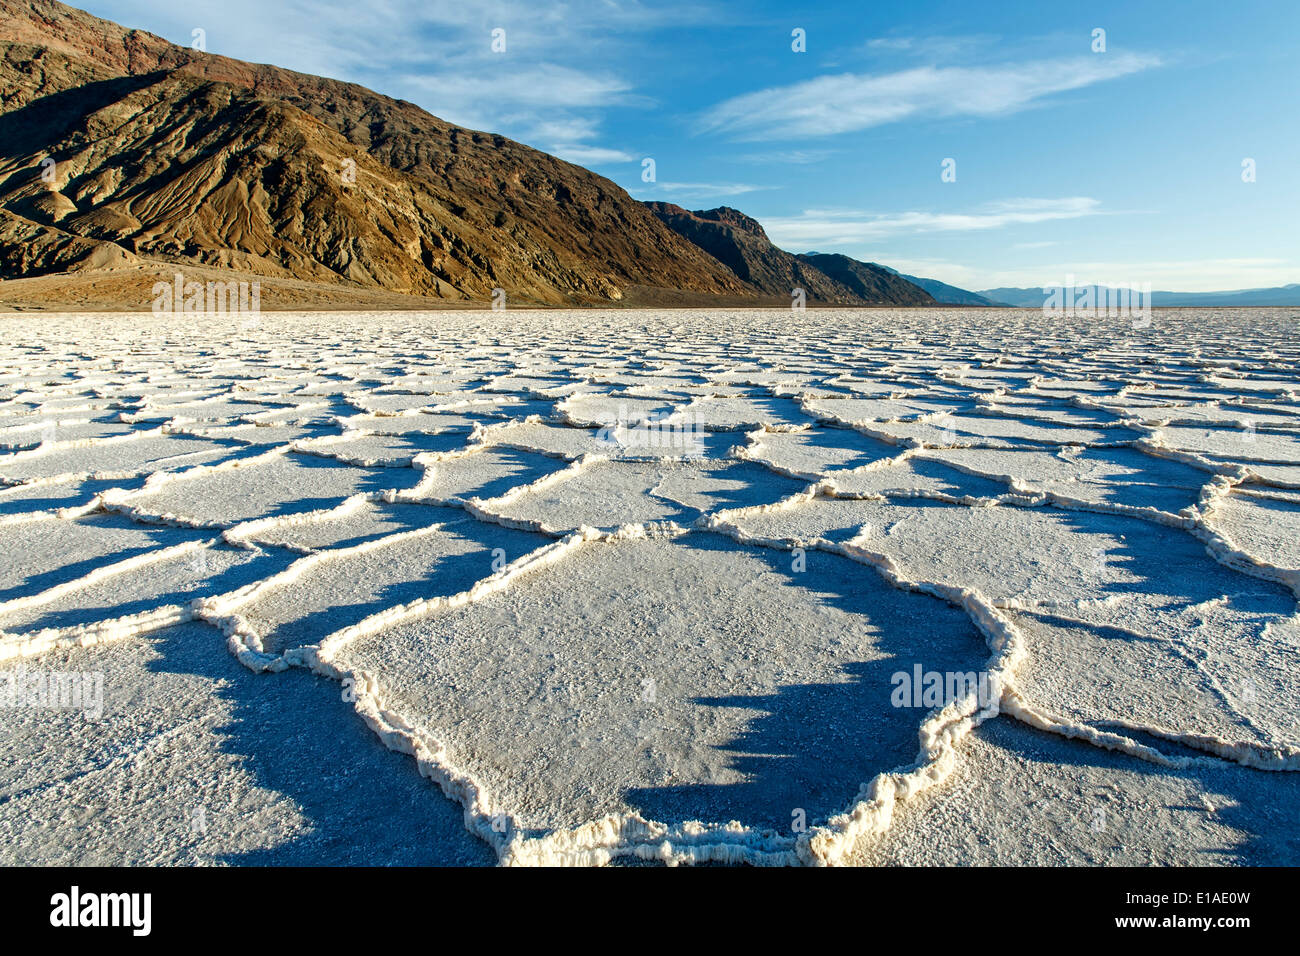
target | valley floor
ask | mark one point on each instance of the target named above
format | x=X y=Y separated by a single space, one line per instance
x=847 y=587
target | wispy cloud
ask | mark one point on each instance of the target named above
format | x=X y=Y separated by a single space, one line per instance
x=793 y=157
x=933 y=47
x=509 y=84
x=819 y=228
x=696 y=190
x=830 y=105
x=592 y=155
x=563 y=67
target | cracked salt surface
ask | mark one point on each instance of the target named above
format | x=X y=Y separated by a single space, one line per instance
x=616 y=650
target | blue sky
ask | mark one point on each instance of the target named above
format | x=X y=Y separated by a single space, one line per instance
x=1117 y=166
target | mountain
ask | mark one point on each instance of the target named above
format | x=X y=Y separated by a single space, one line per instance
x=870 y=281
x=740 y=243
x=167 y=155
x=1287 y=295
x=950 y=294
x=943 y=293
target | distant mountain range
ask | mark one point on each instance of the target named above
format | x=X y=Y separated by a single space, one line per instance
x=950 y=294
x=1287 y=295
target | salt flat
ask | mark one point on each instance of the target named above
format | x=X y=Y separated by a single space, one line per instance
x=644 y=585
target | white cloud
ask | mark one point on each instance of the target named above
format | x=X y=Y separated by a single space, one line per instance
x=823 y=228
x=794 y=157
x=559 y=128
x=495 y=85
x=891 y=43
x=678 y=191
x=945 y=48
x=592 y=155
x=563 y=65
x=828 y=105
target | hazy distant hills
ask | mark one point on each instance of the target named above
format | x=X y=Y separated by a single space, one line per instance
x=949 y=294
x=1287 y=295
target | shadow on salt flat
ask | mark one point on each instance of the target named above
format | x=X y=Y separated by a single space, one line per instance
x=304 y=411
x=344 y=591
x=373 y=520
x=508 y=408
x=177 y=581
x=1151 y=814
x=820 y=449
x=39 y=552
x=65 y=494
x=608 y=494
x=809 y=746
x=772 y=685
x=722 y=486
x=360 y=802
x=168 y=453
x=490 y=473
x=291 y=484
x=640 y=444
x=742 y=411
x=393 y=448
x=918 y=474
x=1266 y=528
